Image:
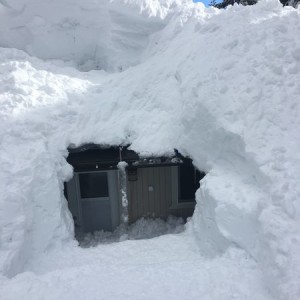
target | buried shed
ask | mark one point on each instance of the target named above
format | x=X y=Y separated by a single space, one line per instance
x=115 y=185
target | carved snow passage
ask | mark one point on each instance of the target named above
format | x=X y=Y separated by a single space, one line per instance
x=225 y=96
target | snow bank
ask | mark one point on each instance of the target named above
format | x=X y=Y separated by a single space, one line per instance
x=89 y=34
x=220 y=86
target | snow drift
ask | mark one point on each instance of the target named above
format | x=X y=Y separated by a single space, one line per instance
x=108 y=35
x=220 y=86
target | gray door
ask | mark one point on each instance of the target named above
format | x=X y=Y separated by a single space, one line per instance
x=97 y=201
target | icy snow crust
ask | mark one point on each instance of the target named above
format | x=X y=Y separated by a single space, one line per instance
x=221 y=86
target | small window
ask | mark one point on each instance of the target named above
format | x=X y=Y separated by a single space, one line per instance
x=189 y=178
x=93 y=185
x=132 y=174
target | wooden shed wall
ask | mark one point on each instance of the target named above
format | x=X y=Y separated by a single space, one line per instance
x=154 y=194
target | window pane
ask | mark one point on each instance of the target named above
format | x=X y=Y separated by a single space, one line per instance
x=189 y=183
x=93 y=185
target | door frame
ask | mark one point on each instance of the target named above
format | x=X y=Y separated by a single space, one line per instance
x=113 y=197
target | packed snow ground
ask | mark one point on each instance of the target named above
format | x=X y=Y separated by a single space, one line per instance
x=220 y=86
x=164 y=267
x=142 y=229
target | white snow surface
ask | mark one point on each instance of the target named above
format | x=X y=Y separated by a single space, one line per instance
x=223 y=87
x=143 y=228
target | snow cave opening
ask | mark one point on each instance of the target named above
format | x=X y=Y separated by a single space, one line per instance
x=115 y=193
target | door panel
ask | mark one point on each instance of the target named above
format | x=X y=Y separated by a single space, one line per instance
x=96 y=214
x=150 y=195
x=98 y=200
x=94 y=201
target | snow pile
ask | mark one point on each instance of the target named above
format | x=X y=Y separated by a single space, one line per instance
x=89 y=34
x=220 y=86
x=141 y=229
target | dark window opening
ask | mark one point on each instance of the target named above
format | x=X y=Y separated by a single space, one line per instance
x=189 y=178
x=93 y=185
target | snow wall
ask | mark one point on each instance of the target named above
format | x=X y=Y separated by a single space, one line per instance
x=221 y=86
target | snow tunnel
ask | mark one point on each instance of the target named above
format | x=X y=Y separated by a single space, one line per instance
x=115 y=185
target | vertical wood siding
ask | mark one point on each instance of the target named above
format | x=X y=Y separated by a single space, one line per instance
x=146 y=203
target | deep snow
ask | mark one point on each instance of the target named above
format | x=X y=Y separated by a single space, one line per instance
x=142 y=229
x=221 y=86
x=165 y=267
